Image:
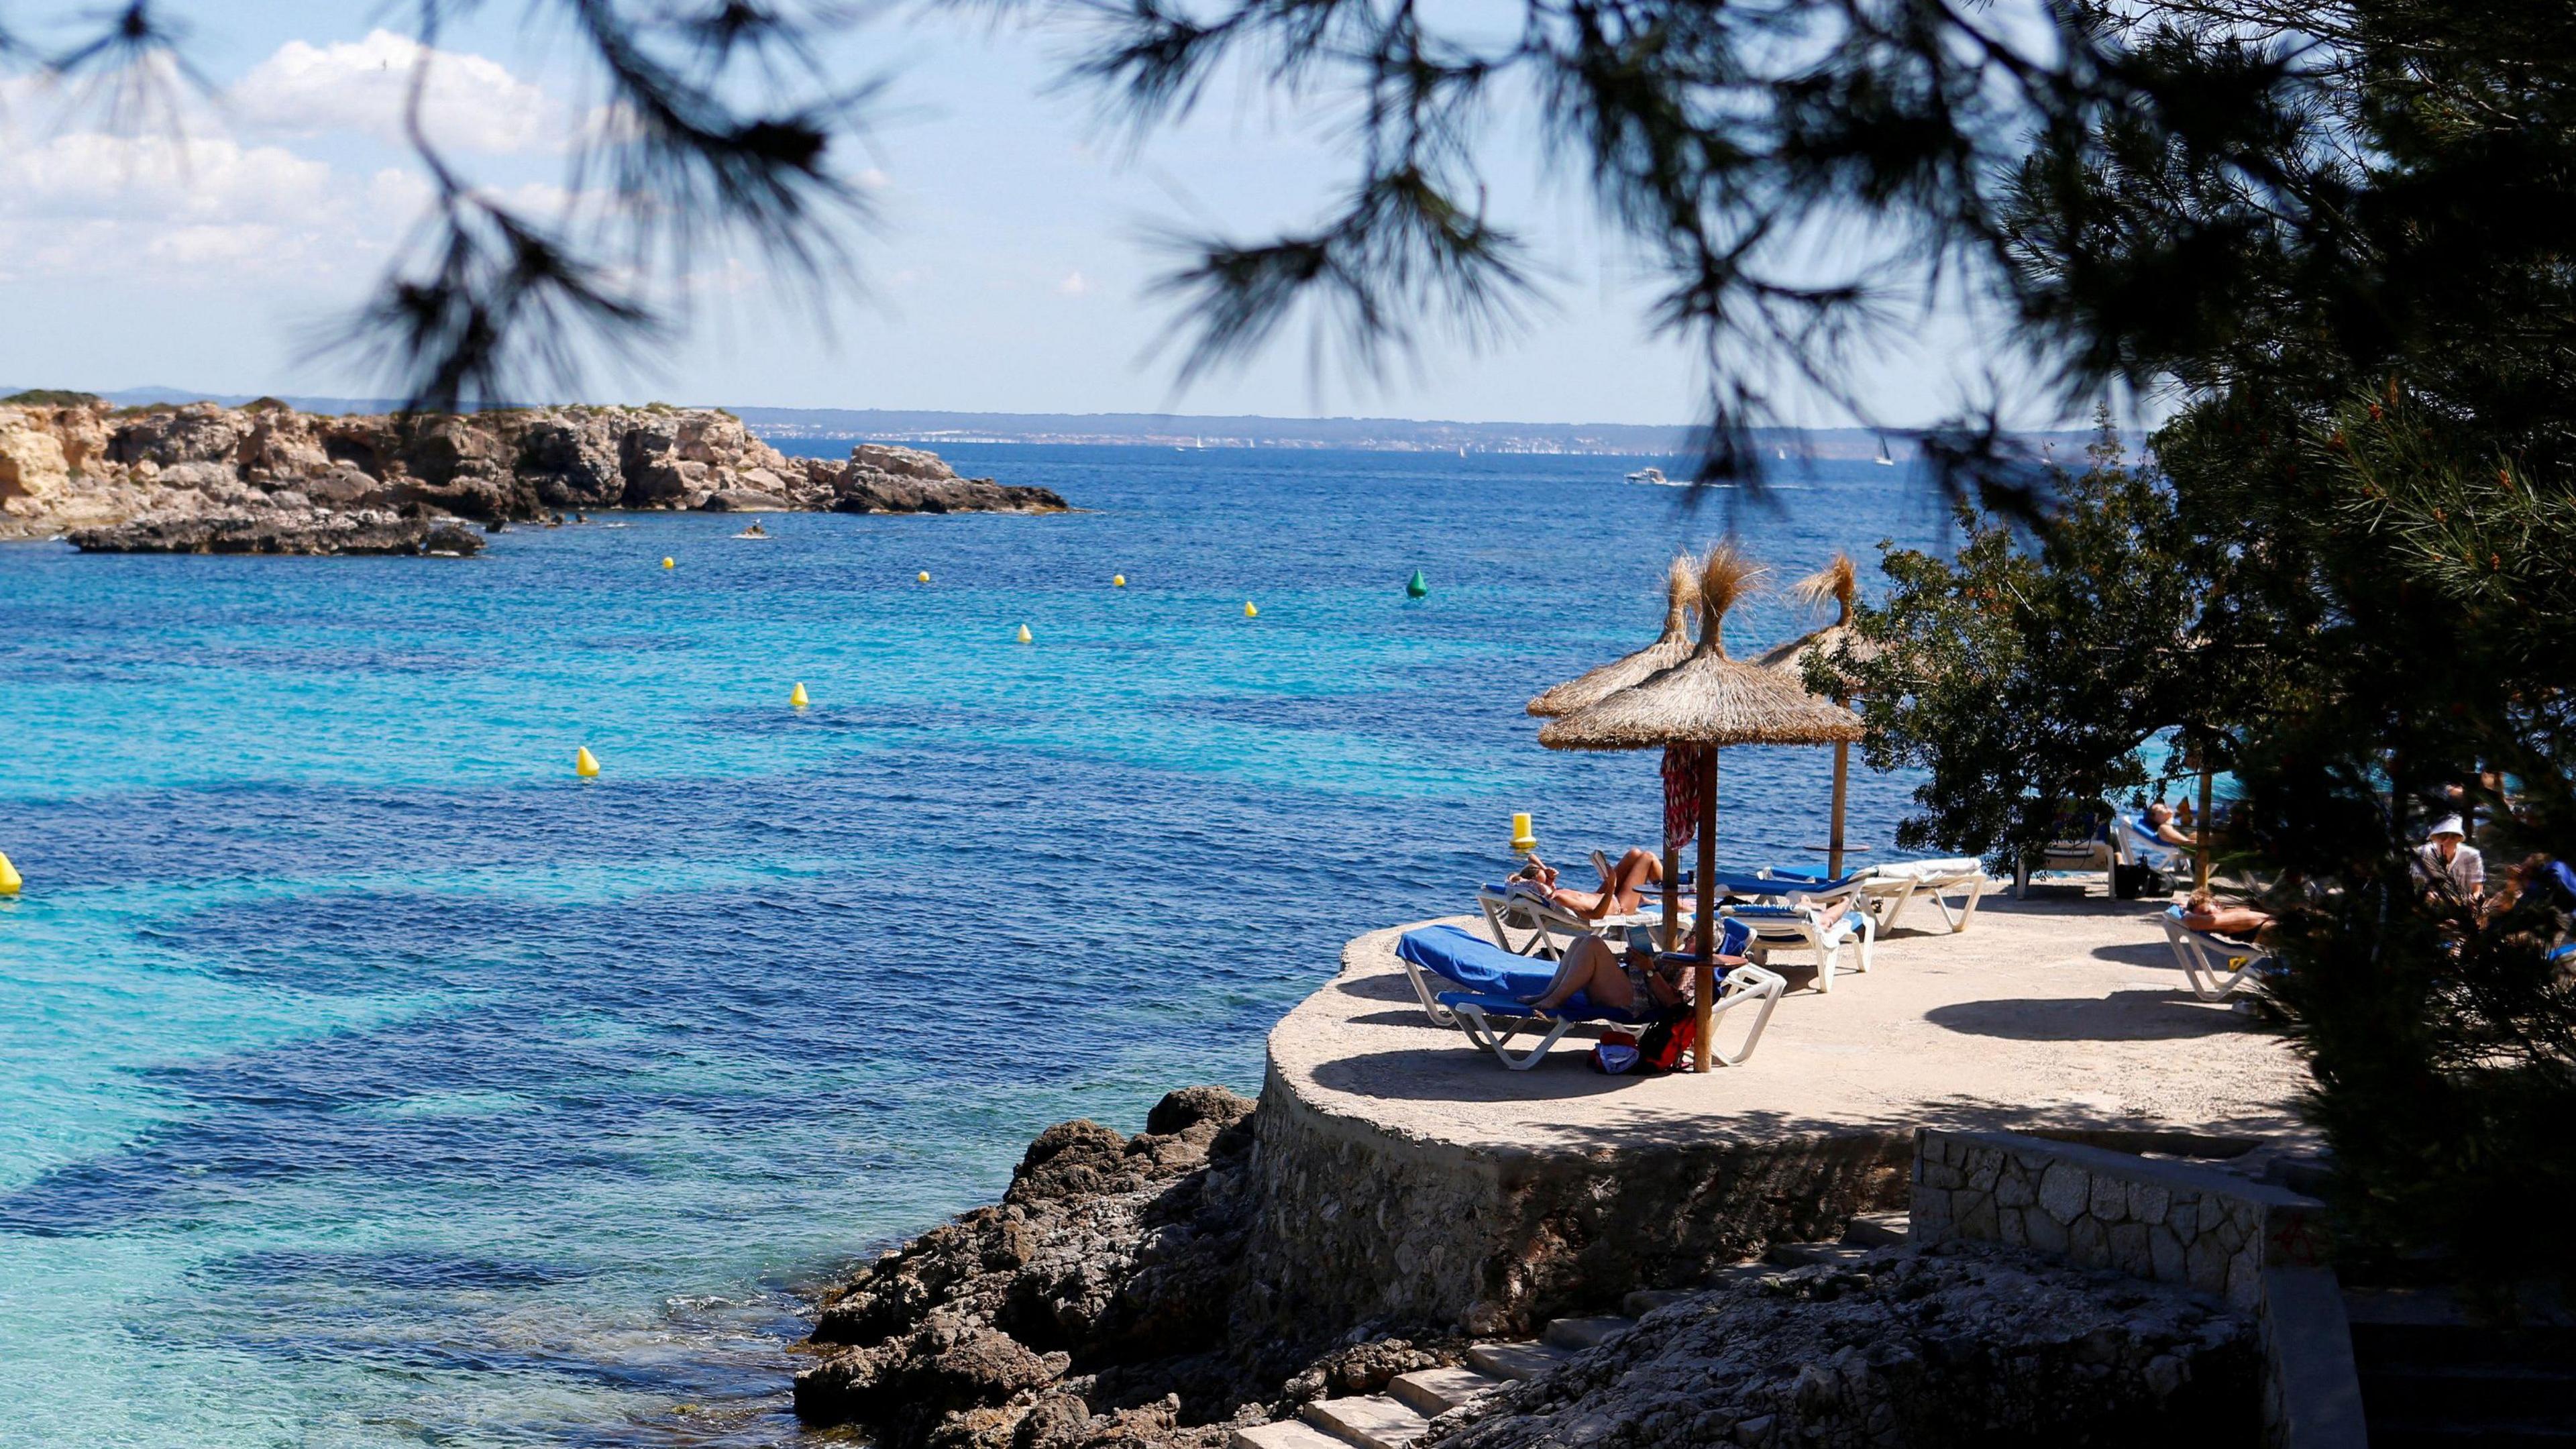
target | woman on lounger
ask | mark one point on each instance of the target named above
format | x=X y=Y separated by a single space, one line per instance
x=1622 y=885
x=1636 y=983
x=2203 y=913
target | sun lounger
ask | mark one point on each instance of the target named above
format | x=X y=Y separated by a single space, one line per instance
x=1494 y=1021
x=1890 y=888
x=2084 y=844
x=1462 y=960
x=2215 y=965
x=1527 y=924
x=1803 y=913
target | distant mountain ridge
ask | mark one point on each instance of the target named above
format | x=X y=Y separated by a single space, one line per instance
x=1182 y=430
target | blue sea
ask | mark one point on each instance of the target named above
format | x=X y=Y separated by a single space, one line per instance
x=368 y=1079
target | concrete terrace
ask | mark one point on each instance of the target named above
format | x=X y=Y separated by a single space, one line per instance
x=2054 y=1012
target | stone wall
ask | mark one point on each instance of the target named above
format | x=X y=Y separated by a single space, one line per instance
x=2153 y=1218
x=1362 y=1223
x=2261 y=1247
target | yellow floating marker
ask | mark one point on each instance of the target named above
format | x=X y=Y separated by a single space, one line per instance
x=1250 y=612
x=10 y=880
x=666 y=563
x=922 y=577
x=797 y=697
x=1522 y=840
x=1117 y=581
x=584 y=763
x=1025 y=636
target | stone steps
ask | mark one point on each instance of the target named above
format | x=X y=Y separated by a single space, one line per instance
x=1433 y=1392
x=1526 y=1359
x=1285 y=1434
x=1877 y=1230
x=1367 y=1421
x=1577 y=1334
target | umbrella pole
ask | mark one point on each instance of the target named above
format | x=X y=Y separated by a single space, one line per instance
x=1842 y=785
x=2203 y=837
x=1704 y=975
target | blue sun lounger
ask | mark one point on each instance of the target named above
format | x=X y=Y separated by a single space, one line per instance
x=1497 y=1012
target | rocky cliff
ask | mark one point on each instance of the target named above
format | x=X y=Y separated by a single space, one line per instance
x=266 y=478
x=1116 y=1296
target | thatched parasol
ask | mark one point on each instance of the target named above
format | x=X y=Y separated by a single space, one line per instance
x=1681 y=593
x=1838 y=581
x=1710 y=701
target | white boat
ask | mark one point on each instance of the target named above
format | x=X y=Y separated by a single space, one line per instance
x=1882 y=459
x=1654 y=476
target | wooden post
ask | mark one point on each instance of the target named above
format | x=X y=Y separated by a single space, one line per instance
x=1842 y=783
x=1704 y=975
x=2206 y=835
x=1672 y=897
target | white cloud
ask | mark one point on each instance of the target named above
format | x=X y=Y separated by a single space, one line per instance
x=472 y=103
x=90 y=205
x=1072 y=286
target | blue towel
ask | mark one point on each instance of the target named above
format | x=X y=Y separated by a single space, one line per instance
x=1474 y=962
x=1577 y=1007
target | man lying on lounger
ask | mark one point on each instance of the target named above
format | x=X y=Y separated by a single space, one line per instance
x=2244 y=923
x=1639 y=982
x=1622 y=885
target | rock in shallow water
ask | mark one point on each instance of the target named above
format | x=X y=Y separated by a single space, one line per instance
x=284 y=531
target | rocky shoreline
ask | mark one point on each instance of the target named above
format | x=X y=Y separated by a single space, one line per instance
x=1115 y=1296
x=265 y=478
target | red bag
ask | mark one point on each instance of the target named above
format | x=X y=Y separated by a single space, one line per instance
x=1667 y=1044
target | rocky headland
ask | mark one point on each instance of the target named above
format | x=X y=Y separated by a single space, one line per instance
x=266 y=478
x=1121 y=1293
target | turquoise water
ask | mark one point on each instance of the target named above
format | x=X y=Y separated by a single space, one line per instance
x=370 y=1080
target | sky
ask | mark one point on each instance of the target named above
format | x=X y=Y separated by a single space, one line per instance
x=1012 y=266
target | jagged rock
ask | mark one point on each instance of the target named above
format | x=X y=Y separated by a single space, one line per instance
x=290 y=530
x=1967 y=1343
x=68 y=462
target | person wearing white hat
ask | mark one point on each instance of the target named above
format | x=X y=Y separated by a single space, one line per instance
x=2447 y=857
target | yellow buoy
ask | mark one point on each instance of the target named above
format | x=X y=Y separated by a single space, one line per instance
x=1250 y=612
x=1025 y=636
x=797 y=697
x=1117 y=581
x=585 y=764
x=10 y=880
x=666 y=563
x=1522 y=840
x=922 y=577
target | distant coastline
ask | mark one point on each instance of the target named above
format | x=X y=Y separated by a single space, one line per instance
x=1236 y=431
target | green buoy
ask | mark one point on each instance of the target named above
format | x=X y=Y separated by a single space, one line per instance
x=1417 y=587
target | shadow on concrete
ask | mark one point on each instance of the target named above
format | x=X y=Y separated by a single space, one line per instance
x=2121 y=1016
x=1462 y=1074
x=2149 y=954
x=1381 y=986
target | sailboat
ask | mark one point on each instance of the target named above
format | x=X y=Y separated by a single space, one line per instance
x=1882 y=459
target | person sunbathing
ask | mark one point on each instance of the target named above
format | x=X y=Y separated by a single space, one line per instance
x=1622 y=885
x=1637 y=982
x=2203 y=913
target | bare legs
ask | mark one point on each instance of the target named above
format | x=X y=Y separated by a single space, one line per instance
x=1591 y=967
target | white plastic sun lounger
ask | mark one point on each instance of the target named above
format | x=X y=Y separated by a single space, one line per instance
x=1525 y=924
x=2215 y=965
x=1889 y=888
x=1495 y=1022
x=1823 y=920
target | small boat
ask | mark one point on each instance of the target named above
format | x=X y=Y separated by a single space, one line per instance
x=1882 y=459
x=1651 y=475
x=755 y=531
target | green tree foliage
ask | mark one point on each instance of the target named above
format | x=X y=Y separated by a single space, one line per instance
x=2022 y=672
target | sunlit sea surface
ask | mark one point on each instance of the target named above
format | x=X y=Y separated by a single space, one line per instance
x=367 y=1079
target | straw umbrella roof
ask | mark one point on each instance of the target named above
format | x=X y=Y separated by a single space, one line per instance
x=1708 y=699
x=1840 y=582
x=1681 y=594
